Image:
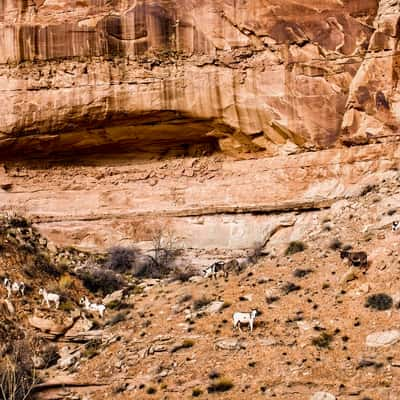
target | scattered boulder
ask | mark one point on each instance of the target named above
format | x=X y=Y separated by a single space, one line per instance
x=68 y=360
x=229 y=344
x=323 y=396
x=215 y=307
x=115 y=297
x=38 y=362
x=385 y=338
x=49 y=326
x=81 y=325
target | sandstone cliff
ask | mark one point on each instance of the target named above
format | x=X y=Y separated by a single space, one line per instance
x=108 y=93
x=242 y=76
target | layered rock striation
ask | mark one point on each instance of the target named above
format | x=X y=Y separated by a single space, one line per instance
x=94 y=75
x=110 y=94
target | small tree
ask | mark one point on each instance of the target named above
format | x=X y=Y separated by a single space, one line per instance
x=164 y=246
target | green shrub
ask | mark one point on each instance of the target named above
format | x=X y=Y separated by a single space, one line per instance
x=295 y=247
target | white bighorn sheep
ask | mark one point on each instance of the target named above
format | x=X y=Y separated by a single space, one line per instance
x=50 y=297
x=14 y=287
x=213 y=269
x=88 y=306
x=395 y=226
x=244 y=318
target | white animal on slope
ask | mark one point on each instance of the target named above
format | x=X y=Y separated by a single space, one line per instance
x=244 y=318
x=14 y=287
x=87 y=305
x=395 y=226
x=213 y=269
x=50 y=297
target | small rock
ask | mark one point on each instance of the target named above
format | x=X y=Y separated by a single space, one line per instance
x=229 y=344
x=10 y=306
x=386 y=338
x=349 y=276
x=38 y=362
x=215 y=307
x=268 y=342
x=248 y=297
x=68 y=361
x=196 y=279
x=323 y=396
x=115 y=297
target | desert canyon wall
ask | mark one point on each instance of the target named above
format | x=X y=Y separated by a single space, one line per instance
x=220 y=118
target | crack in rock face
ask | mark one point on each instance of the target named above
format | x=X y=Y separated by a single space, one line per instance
x=87 y=76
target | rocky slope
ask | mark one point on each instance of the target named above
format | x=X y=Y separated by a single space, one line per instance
x=314 y=337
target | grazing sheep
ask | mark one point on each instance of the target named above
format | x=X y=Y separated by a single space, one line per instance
x=14 y=287
x=234 y=266
x=355 y=258
x=50 y=297
x=213 y=269
x=395 y=226
x=88 y=306
x=244 y=318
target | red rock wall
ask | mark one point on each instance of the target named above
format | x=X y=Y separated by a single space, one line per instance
x=270 y=76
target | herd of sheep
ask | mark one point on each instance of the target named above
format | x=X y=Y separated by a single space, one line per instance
x=357 y=259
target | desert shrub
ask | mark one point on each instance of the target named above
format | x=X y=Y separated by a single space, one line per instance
x=67 y=305
x=301 y=273
x=17 y=373
x=50 y=355
x=121 y=259
x=255 y=254
x=323 y=340
x=186 y=344
x=146 y=266
x=151 y=390
x=367 y=189
x=220 y=385
x=295 y=247
x=214 y=375
x=335 y=244
x=164 y=246
x=183 y=276
x=271 y=299
x=196 y=392
x=184 y=298
x=18 y=222
x=92 y=348
x=121 y=316
x=201 y=302
x=379 y=302
x=43 y=264
x=100 y=280
x=290 y=287
x=365 y=363
x=66 y=282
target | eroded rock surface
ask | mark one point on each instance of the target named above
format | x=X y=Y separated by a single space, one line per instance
x=195 y=76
